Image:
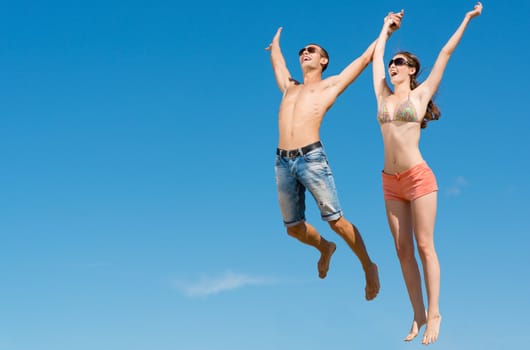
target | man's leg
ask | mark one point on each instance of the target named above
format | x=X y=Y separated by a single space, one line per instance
x=291 y=195
x=352 y=237
x=318 y=179
x=307 y=234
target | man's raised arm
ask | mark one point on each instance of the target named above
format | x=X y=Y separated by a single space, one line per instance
x=354 y=69
x=279 y=67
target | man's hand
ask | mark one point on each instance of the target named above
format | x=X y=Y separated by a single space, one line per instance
x=275 y=40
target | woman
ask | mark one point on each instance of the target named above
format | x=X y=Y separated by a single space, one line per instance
x=409 y=186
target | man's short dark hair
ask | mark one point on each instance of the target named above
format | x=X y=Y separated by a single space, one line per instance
x=324 y=53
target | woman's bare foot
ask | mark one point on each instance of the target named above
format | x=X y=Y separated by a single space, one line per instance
x=432 y=329
x=325 y=258
x=415 y=329
x=372 y=282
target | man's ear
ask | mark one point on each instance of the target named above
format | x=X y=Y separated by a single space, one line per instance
x=324 y=60
x=412 y=70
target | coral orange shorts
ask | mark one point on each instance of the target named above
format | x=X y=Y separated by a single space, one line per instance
x=410 y=184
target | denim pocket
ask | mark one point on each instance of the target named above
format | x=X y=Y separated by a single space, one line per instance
x=315 y=156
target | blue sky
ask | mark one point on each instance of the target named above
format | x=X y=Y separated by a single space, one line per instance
x=138 y=208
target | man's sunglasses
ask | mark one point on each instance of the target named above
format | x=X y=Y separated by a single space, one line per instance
x=310 y=49
x=399 y=61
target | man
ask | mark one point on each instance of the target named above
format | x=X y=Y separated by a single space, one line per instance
x=301 y=161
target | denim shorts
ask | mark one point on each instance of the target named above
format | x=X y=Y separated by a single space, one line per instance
x=312 y=172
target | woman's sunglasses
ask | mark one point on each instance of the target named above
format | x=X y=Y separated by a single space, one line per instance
x=399 y=61
x=310 y=49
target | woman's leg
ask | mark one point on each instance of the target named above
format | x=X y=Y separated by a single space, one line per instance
x=399 y=216
x=424 y=214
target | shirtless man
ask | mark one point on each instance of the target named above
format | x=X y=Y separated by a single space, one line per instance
x=301 y=161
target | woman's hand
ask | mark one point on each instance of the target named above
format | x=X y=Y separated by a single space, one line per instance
x=477 y=10
x=393 y=21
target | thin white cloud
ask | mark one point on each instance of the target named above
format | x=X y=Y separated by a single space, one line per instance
x=456 y=189
x=214 y=285
x=461 y=181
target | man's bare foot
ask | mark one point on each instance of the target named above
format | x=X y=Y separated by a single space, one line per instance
x=372 y=282
x=415 y=329
x=325 y=258
x=432 y=329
